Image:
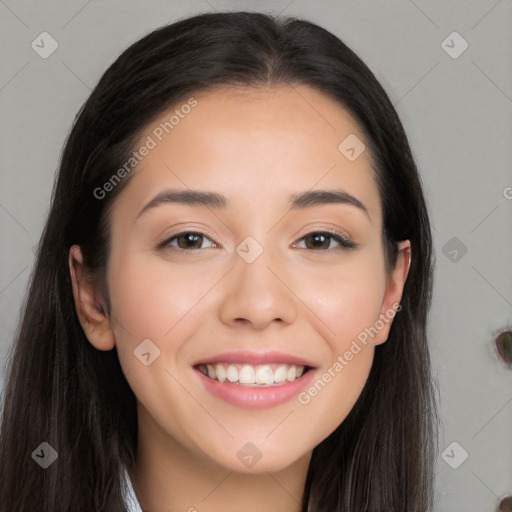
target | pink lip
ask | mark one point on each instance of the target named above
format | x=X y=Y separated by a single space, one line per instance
x=254 y=358
x=255 y=397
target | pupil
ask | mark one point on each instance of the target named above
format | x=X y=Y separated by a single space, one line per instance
x=189 y=237
x=320 y=238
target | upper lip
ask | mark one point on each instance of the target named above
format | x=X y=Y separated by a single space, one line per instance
x=254 y=358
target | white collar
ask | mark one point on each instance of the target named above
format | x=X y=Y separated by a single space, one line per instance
x=131 y=501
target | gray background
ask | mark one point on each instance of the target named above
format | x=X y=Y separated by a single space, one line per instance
x=458 y=116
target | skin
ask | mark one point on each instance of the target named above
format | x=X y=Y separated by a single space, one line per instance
x=255 y=147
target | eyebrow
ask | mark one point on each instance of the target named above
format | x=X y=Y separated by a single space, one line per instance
x=215 y=200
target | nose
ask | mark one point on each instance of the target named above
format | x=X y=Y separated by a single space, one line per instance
x=257 y=294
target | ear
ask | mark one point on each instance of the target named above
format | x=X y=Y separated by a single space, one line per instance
x=91 y=314
x=393 y=292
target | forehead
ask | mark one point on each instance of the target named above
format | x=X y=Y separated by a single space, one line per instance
x=254 y=145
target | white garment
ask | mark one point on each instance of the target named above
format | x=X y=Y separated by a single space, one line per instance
x=131 y=501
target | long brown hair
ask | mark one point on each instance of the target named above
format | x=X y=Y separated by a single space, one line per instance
x=63 y=391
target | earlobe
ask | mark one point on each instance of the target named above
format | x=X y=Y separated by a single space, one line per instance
x=91 y=313
x=393 y=292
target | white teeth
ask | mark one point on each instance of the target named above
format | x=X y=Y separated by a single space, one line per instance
x=221 y=373
x=211 y=371
x=264 y=375
x=249 y=375
x=290 y=374
x=280 y=374
x=232 y=373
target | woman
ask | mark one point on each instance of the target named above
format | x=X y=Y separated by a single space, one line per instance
x=229 y=303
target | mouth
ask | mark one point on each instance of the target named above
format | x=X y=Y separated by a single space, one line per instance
x=249 y=375
x=253 y=380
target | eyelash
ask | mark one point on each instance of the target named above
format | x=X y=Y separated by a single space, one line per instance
x=344 y=243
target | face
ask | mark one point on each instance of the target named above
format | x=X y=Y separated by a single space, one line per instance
x=256 y=320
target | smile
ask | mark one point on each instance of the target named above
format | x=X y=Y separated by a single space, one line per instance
x=253 y=375
x=254 y=380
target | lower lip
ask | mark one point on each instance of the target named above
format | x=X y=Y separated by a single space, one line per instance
x=256 y=397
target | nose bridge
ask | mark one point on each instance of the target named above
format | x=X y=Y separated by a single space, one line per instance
x=255 y=293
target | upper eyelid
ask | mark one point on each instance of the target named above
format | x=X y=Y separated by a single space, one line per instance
x=311 y=227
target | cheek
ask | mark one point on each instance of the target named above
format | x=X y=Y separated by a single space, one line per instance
x=347 y=300
x=348 y=303
x=151 y=302
x=148 y=302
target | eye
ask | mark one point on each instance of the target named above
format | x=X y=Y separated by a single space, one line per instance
x=322 y=240
x=186 y=240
